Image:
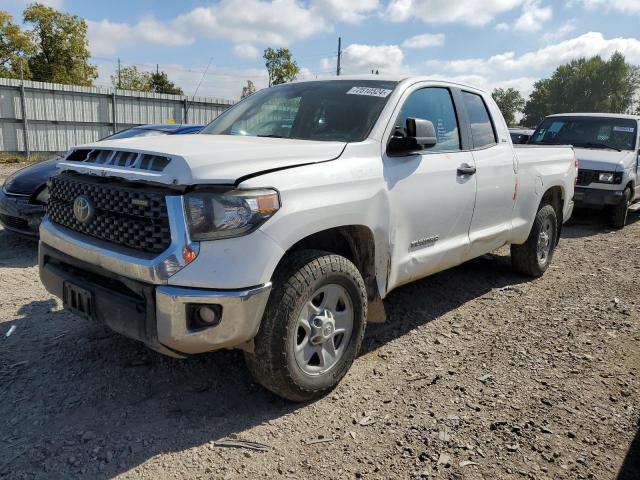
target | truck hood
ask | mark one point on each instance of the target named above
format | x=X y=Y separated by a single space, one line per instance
x=604 y=160
x=201 y=159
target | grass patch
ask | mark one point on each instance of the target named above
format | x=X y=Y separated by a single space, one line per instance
x=8 y=158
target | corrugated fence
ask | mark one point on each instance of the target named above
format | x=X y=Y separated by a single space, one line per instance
x=60 y=116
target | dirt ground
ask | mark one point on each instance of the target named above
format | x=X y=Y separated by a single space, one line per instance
x=479 y=373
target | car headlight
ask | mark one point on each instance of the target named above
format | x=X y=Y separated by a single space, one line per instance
x=43 y=196
x=215 y=215
x=606 y=177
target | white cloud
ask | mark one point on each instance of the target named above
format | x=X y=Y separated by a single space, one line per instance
x=534 y=15
x=277 y=23
x=532 y=18
x=471 y=12
x=246 y=23
x=424 y=40
x=623 y=6
x=357 y=58
x=245 y=50
x=564 y=30
x=587 y=45
x=350 y=12
x=107 y=37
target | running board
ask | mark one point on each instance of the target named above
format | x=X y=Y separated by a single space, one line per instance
x=635 y=207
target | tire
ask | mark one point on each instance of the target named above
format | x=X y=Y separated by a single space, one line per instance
x=305 y=287
x=618 y=213
x=527 y=258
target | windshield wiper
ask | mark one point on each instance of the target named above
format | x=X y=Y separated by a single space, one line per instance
x=596 y=145
x=271 y=135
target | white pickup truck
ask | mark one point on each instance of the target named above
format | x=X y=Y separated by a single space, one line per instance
x=281 y=227
x=608 y=150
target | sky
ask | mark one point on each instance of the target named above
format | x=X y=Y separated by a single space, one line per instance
x=486 y=43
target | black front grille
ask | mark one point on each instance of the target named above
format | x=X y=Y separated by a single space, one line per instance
x=14 y=222
x=127 y=216
x=586 y=177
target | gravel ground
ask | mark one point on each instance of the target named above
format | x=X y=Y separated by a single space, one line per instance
x=479 y=373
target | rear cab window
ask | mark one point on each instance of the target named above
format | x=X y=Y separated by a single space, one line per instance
x=482 y=130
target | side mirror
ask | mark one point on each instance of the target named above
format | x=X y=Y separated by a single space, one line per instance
x=420 y=134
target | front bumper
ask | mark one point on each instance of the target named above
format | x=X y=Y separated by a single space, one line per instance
x=18 y=215
x=594 y=197
x=156 y=314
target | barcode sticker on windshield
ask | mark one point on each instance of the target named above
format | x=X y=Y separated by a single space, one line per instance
x=623 y=129
x=369 y=92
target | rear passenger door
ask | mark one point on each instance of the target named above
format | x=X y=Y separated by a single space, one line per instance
x=495 y=177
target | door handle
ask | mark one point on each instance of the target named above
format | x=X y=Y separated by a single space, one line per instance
x=466 y=169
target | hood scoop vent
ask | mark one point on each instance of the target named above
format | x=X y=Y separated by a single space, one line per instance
x=119 y=158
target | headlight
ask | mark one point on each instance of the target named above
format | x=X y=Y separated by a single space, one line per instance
x=216 y=215
x=43 y=196
x=606 y=177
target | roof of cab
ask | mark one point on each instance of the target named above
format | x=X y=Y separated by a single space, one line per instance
x=390 y=78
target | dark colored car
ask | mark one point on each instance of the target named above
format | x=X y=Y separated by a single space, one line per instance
x=520 y=136
x=23 y=198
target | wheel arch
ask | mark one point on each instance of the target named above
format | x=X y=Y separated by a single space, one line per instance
x=357 y=244
x=555 y=196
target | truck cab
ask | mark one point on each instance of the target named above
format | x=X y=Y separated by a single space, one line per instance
x=608 y=150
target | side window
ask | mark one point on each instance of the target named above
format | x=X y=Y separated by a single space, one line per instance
x=434 y=104
x=481 y=127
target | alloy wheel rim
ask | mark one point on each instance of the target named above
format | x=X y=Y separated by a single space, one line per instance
x=323 y=330
x=545 y=239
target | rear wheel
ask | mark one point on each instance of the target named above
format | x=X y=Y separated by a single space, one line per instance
x=618 y=213
x=534 y=256
x=312 y=328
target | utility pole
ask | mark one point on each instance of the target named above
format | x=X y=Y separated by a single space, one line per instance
x=157 y=69
x=119 y=84
x=338 y=68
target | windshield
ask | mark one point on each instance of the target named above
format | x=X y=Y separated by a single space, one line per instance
x=337 y=110
x=136 y=132
x=587 y=132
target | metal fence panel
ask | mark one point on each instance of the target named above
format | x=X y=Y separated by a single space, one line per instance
x=61 y=116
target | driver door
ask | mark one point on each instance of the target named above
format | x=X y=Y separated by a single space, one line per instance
x=431 y=202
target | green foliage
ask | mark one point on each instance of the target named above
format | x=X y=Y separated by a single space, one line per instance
x=510 y=102
x=584 y=85
x=15 y=48
x=160 y=83
x=248 y=89
x=61 y=47
x=280 y=66
x=130 y=78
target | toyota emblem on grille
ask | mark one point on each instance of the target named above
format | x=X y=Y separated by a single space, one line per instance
x=83 y=209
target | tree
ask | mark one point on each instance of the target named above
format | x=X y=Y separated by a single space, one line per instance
x=160 y=83
x=280 y=66
x=584 y=85
x=248 y=89
x=15 y=48
x=510 y=102
x=62 y=51
x=130 y=78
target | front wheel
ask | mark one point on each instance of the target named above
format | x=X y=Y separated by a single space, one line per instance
x=534 y=256
x=618 y=213
x=312 y=327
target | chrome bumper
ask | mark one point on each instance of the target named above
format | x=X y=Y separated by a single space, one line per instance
x=241 y=315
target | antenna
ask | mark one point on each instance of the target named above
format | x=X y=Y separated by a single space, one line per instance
x=186 y=110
